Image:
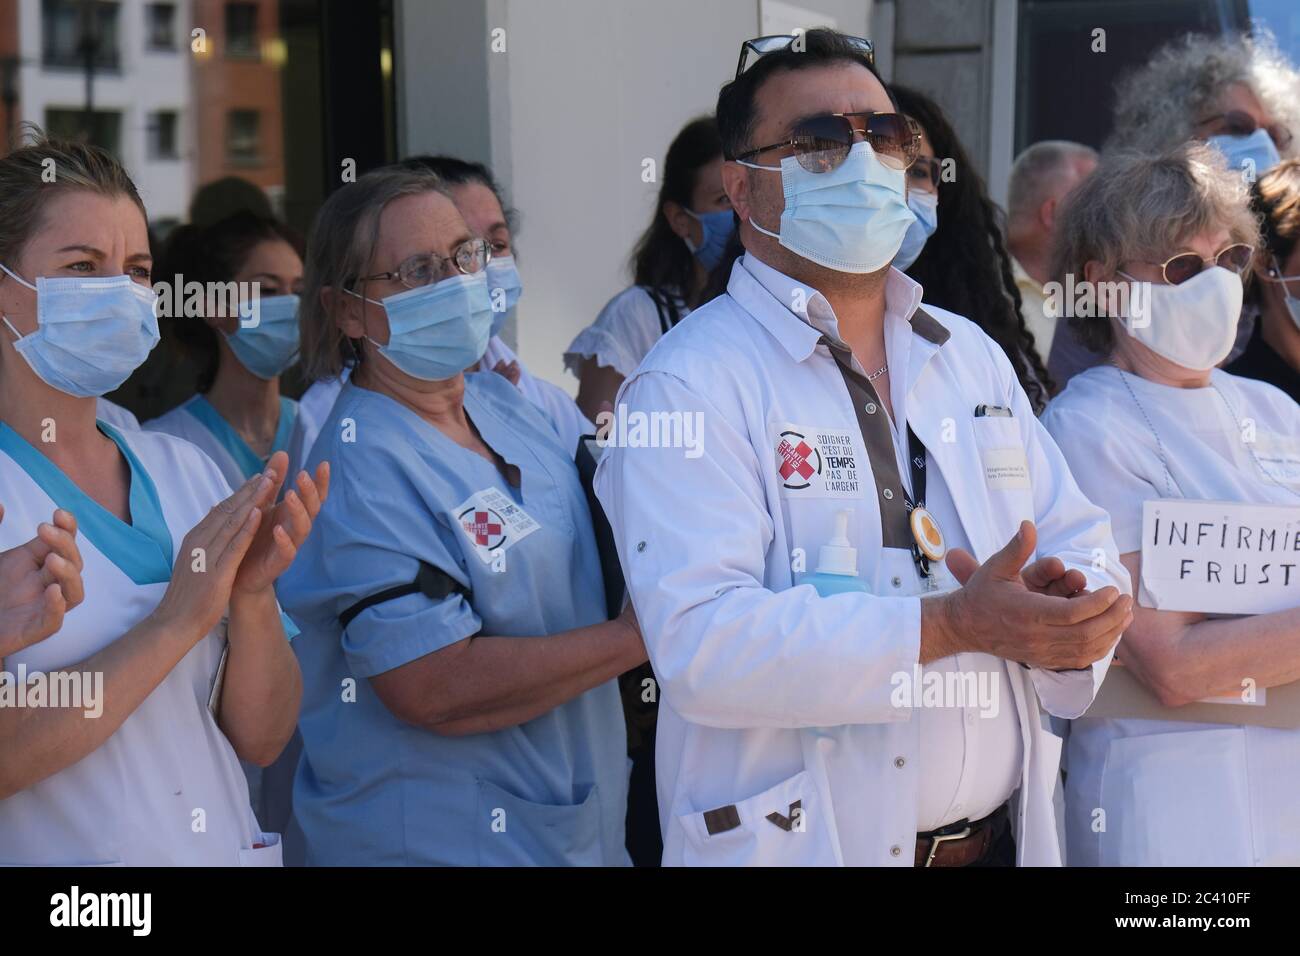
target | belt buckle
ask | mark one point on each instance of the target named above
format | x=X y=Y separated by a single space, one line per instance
x=943 y=838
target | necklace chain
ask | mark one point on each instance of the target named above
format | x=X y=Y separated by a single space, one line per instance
x=878 y=372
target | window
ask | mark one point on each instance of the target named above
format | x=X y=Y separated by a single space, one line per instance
x=101 y=128
x=160 y=26
x=241 y=30
x=243 y=137
x=63 y=30
x=161 y=135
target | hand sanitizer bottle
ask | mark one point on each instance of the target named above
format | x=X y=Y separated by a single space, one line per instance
x=837 y=565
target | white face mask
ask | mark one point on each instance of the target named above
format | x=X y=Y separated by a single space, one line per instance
x=1193 y=324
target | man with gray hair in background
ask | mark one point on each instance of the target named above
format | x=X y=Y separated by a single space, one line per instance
x=1040 y=178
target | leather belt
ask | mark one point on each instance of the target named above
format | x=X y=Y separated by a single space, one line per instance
x=962 y=843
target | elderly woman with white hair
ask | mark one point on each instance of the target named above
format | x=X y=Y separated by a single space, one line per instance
x=1236 y=92
x=1157 y=420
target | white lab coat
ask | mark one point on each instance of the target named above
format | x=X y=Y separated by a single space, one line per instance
x=165 y=789
x=771 y=694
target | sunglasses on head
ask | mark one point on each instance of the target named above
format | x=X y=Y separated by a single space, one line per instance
x=751 y=51
x=821 y=143
x=1178 y=269
x=1240 y=123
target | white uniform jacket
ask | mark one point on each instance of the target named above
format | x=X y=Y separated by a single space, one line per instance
x=774 y=698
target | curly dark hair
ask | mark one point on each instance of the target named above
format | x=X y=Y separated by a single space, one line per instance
x=965 y=267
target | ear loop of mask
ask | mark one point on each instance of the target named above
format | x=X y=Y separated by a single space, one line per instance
x=21 y=281
x=777 y=169
x=353 y=342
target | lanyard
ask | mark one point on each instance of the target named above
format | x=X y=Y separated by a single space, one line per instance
x=916 y=463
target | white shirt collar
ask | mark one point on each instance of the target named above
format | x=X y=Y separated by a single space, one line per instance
x=787 y=299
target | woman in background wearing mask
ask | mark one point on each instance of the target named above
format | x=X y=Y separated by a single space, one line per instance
x=178 y=648
x=1237 y=93
x=480 y=201
x=955 y=249
x=452 y=587
x=1273 y=353
x=684 y=242
x=243 y=344
x=1158 y=420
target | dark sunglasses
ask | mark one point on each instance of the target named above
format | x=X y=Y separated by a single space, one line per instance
x=1239 y=123
x=1178 y=269
x=821 y=143
x=751 y=51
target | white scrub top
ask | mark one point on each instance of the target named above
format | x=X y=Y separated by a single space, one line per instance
x=197 y=421
x=374 y=790
x=555 y=403
x=166 y=788
x=1178 y=793
x=115 y=415
x=625 y=330
x=772 y=696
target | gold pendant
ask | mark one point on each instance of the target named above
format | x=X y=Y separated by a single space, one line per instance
x=925 y=530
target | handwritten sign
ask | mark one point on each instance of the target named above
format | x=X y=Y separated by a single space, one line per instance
x=1220 y=557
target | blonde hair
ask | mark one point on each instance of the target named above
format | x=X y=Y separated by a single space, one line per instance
x=1277 y=200
x=342 y=241
x=34 y=173
x=1138 y=207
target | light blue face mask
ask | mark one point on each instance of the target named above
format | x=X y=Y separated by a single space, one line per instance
x=851 y=219
x=504 y=289
x=438 y=330
x=925 y=206
x=1254 y=154
x=91 y=333
x=266 y=342
x=717 y=228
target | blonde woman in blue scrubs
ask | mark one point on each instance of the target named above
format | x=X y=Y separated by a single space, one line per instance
x=178 y=648
x=238 y=416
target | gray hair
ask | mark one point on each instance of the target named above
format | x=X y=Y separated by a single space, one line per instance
x=1159 y=105
x=1038 y=171
x=342 y=242
x=1138 y=207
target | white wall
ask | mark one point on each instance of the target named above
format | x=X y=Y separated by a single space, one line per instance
x=585 y=91
x=147 y=81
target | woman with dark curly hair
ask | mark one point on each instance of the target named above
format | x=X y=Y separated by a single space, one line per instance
x=964 y=266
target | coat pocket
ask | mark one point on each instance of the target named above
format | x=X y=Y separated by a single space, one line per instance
x=1176 y=799
x=270 y=855
x=782 y=826
x=512 y=831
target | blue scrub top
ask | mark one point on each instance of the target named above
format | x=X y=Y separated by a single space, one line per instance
x=373 y=790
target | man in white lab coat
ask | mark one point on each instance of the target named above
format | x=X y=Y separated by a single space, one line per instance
x=903 y=720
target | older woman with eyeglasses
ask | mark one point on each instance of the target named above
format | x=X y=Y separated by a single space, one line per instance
x=1158 y=421
x=460 y=705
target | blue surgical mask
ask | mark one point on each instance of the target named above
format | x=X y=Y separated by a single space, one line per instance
x=717 y=228
x=925 y=206
x=266 y=342
x=504 y=288
x=438 y=330
x=851 y=219
x=1255 y=154
x=91 y=333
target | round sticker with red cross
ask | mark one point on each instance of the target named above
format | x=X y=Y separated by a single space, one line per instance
x=796 y=460
x=484 y=526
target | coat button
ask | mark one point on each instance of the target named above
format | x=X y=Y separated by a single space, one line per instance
x=896 y=582
x=895 y=850
x=640 y=546
x=869 y=408
x=900 y=763
x=889 y=495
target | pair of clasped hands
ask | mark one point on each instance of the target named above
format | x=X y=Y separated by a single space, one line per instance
x=247 y=541
x=1039 y=614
